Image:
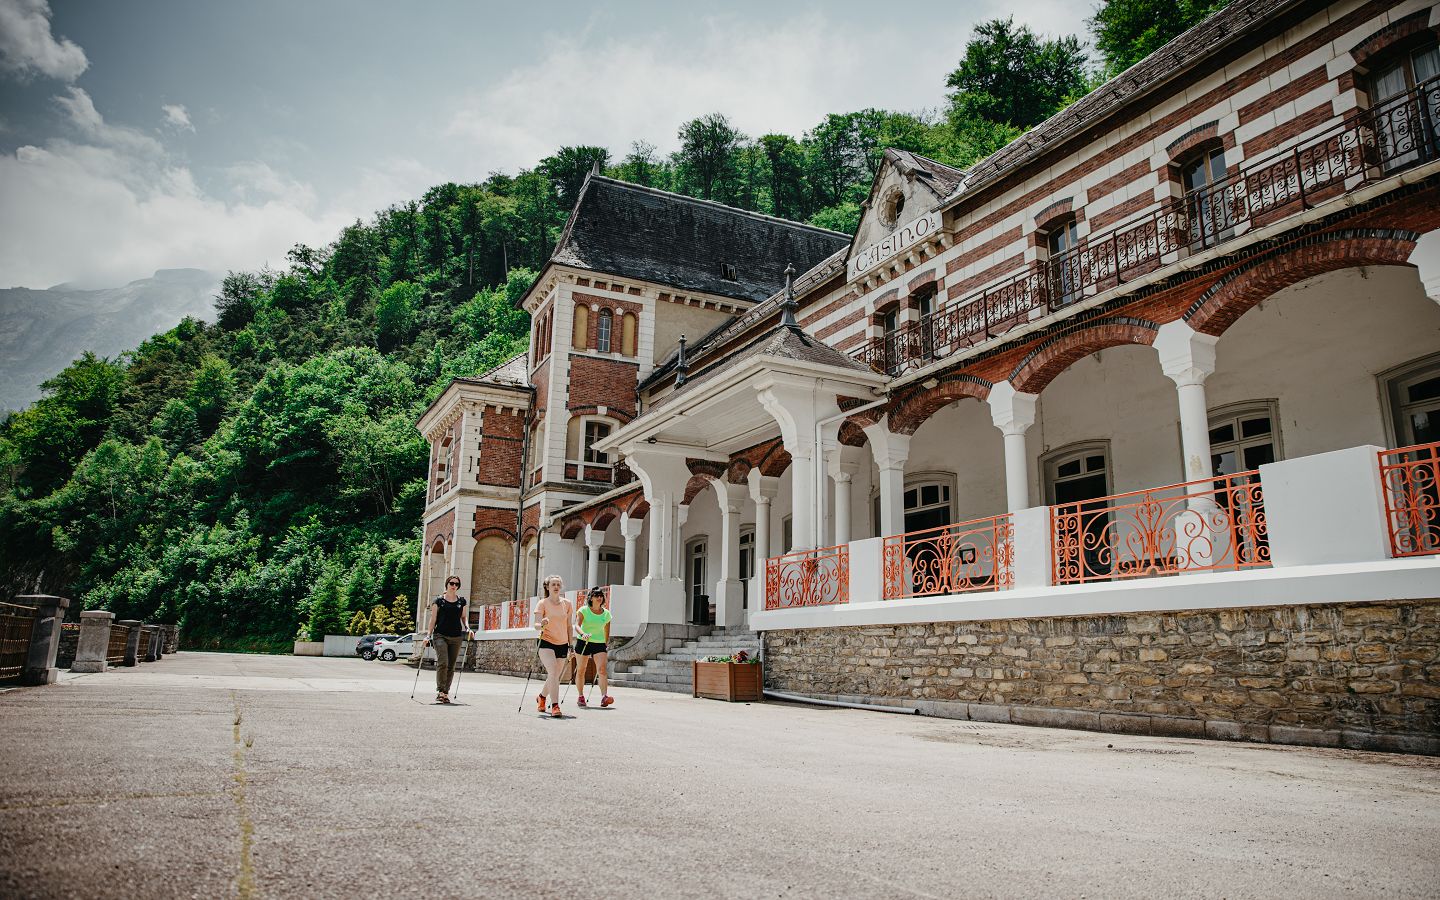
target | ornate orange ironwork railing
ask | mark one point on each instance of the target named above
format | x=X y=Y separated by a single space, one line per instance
x=808 y=578
x=951 y=559
x=517 y=613
x=17 y=622
x=1410 y=482
x=492 y=617
x=1199 y=526
x=1360 y=149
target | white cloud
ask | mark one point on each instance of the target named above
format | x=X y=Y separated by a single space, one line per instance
x=109 y=205
x=782 y=77
x=177 y=117
x=28 y=48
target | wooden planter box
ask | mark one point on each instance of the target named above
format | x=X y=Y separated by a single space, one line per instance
x=735 y=682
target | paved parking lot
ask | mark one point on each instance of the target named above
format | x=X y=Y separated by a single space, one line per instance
x=213 y=775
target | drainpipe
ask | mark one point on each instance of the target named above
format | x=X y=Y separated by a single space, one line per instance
x=520 y=495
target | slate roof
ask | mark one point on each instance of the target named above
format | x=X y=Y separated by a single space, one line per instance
x=633 y=231
x=738 y=325
x=510 y=373
x=783 y=341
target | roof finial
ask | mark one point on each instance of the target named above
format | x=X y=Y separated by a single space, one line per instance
x=680 y=364
x=788 y=308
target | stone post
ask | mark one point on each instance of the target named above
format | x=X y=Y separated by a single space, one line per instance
x=44 y=638
x=132 y=646
x=147 y=643
x=94 y=641
x=159 y=639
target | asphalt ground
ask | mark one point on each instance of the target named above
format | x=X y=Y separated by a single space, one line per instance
x=214 y=775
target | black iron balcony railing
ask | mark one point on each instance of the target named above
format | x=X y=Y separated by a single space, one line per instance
x=1365 y=147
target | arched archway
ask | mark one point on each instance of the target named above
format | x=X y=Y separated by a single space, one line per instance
x=1238 y=291
x=491 y=571
x=1055 y=355
x=921 y=403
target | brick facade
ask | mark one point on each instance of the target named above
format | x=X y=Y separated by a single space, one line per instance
x=596 y=382
x=501 y=445
x=441 y=528
x=1359 y=675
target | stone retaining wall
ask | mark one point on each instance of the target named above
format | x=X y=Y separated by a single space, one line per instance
x=505 y=658
x=1358 y=675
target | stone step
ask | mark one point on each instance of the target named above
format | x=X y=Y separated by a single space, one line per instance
x=646 y=678
x=656 y=686
x=664 y=666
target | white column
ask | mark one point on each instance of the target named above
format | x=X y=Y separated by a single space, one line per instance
x=677 y=544
x=890 y=451
x=729 y=596
x=662 y=474
x=630 y=531
x=797 y=405
x=763 y=489
x=842 y=466
x=1188 y=358
x=1013 y=412
x=594 y=538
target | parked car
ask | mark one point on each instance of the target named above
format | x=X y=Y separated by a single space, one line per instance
x=365 y=647
x=391 y=648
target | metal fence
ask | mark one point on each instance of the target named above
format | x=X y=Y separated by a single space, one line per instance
x=808 y=578
x=1198 y=526
x=1410 y=483
x=951 y=559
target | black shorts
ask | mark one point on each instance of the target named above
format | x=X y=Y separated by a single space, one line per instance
x=561 y=651
x=588 y=648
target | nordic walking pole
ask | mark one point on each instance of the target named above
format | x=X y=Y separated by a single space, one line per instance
x=464 y=651
x=530 y=670
x=419 y=665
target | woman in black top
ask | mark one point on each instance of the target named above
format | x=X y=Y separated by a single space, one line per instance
x=448 y=627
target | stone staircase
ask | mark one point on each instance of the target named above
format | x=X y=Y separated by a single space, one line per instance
x=670 y=670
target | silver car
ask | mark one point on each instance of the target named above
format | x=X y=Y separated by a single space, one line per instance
x=390 y=649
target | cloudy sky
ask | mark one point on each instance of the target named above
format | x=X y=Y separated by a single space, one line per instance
x=200 y=133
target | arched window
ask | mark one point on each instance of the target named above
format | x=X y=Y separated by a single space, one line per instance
x=1412 y=401
x=603 y=326
x=580 y=338
x=1243 y=437
x=627 y=334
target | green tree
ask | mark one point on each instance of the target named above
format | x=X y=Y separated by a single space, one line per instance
x=327 y=611
x=395 y=314
x=1127 y=31
x=1011 y=76
x=568 y=167
x=359 y=624
x=402 y=615
x=705 y=163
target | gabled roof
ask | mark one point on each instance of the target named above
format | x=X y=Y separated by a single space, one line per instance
x=633 y=231
x=940 y=179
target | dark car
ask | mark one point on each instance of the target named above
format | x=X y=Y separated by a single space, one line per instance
x=365 y=648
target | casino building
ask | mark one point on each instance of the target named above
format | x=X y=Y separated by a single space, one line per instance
x=1132 y=426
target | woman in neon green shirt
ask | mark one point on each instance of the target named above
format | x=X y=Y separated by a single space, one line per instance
x=592 y=635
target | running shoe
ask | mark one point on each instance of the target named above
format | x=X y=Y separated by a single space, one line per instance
x=580 y=700
x=554 y=710
x=607 y=700
x=540 y=703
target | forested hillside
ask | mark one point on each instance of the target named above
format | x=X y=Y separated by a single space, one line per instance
x=262 y=472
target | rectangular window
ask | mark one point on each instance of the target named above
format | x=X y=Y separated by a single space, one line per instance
x=594 y=433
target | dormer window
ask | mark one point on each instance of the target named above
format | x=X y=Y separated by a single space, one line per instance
x=729 y=272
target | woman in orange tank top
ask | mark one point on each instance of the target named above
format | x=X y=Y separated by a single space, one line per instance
x=556 y=631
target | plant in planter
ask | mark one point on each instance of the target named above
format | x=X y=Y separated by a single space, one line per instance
x=738 y=678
